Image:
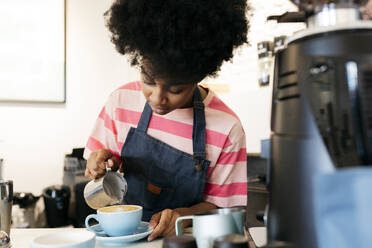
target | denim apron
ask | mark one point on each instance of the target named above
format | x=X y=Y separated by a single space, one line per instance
x=160 y=176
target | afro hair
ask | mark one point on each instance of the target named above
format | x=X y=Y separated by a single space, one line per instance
x=180 y=39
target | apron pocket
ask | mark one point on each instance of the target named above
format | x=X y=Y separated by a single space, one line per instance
x=157 y=198
x=153 y=188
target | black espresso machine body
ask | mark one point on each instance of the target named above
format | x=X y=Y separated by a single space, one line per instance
x=321 y=121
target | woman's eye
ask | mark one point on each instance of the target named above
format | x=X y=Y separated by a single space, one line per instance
x=176 y=92
x=148 y=83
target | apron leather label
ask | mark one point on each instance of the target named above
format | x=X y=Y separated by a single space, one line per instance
x=153 y=189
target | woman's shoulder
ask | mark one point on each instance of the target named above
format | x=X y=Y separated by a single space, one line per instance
x=126 y=96
x=220 y=117
x=219 y=107
x=128 y=89
x=135 y=85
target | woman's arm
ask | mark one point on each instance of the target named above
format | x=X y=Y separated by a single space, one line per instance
x=102 y=145
x=164 y=221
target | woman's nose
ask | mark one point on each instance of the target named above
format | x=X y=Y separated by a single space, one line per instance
x=158 y=96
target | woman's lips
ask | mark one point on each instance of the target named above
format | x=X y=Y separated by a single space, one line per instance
x=159 y=109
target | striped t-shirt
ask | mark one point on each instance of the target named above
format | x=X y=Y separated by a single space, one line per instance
x=225 y=139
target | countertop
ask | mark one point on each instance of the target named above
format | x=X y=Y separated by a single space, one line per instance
x=22 y=238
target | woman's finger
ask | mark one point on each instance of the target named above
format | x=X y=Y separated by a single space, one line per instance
x=102 y=156
x=171 y=226
x=96 y=163
x=88 y=174
x=153 y=224
x=154 y=220
x=113 y=163
x=162 y=225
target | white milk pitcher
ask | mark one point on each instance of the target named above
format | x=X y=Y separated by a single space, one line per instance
x=209 y=225
x=105 y=191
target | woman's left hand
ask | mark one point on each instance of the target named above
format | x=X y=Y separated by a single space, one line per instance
x=163 y=223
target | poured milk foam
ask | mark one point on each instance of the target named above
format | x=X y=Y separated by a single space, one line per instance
x=119 y=208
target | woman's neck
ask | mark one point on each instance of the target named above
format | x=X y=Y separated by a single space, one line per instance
x=203 y=92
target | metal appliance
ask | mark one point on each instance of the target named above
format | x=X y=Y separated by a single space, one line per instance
x=321 y=112
x=1 y=168
x=265 y=60
x=6 y=203
x=24 y=214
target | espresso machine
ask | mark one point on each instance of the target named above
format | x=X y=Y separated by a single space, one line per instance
x=321 y=112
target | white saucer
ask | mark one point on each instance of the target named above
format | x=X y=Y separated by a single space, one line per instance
x=143 y=231
x=65 y=239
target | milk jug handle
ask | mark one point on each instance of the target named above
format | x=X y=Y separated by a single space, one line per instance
x=179 y=223
x=107 y=168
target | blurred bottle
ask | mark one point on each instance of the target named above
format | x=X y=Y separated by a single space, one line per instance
x=56 y=200
x=1 y=168
x=265 y=61
x=6 y=203
x=280 y=43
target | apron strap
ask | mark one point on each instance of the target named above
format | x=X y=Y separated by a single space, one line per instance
x=145 y=118
x=198 y=132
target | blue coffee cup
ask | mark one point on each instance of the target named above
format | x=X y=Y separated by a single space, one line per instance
x=118 y=220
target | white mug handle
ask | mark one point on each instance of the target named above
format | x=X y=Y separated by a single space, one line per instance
x=179 y=223
x=89 y=227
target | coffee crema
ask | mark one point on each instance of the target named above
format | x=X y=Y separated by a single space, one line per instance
x=119 y=208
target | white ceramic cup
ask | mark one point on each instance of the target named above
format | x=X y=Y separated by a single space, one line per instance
x=209 y=225
x=117 y=220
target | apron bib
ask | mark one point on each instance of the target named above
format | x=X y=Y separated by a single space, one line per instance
x=160 y=176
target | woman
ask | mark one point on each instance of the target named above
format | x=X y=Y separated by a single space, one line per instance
x=181 y=148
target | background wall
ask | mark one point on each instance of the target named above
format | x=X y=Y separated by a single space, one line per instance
x=35 y=137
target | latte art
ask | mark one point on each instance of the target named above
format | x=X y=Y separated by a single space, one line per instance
x=119 y=208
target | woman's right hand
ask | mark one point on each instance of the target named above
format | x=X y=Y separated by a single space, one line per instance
x=96 y=167
x=368 y=11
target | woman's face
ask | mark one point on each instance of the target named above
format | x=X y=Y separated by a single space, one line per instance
x=162 y=96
